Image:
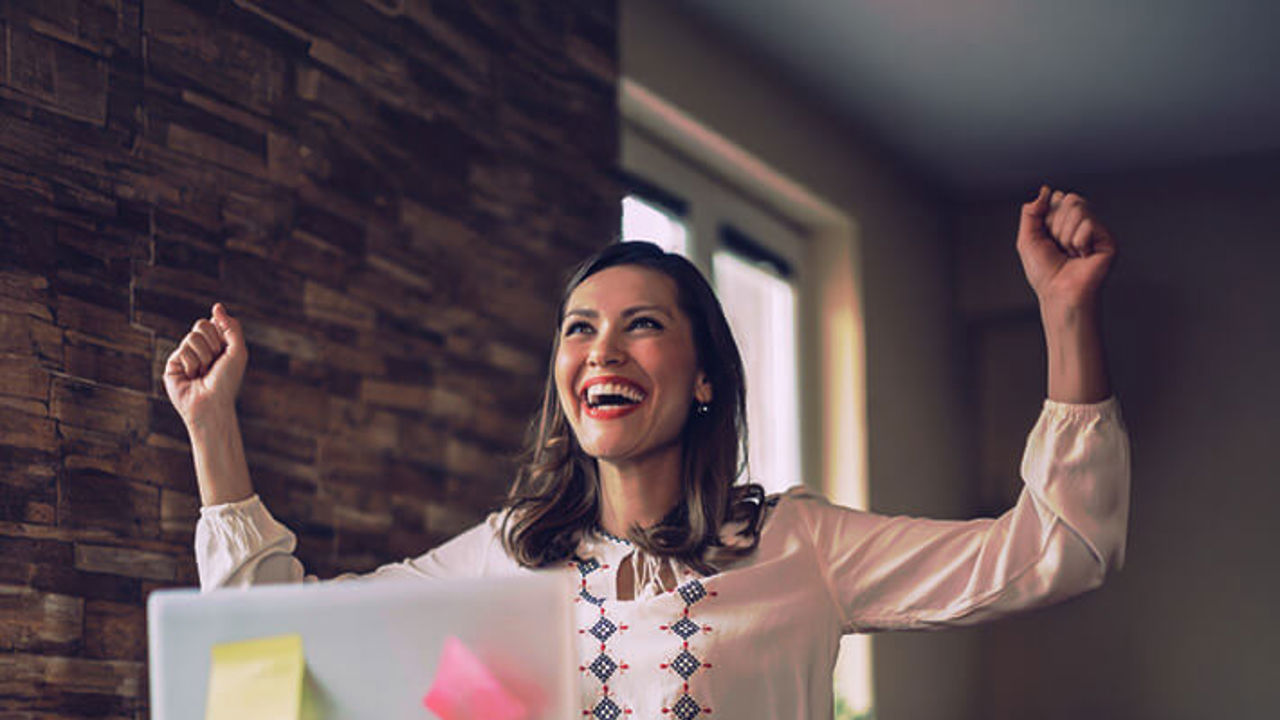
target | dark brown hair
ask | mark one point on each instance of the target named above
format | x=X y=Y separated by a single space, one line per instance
x=555 y=498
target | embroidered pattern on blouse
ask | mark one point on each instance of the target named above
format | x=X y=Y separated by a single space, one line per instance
x=611 y=537
x=603 y=666
x=686 y=663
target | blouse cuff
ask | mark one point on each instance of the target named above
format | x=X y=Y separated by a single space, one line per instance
x=233 y=538
x=239 y=506
x=1103 y=408
x=1076 y=465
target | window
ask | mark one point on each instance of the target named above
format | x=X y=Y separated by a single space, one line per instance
x=760 y=303
x=784 y=261
x=755 y=289
x=646 y=220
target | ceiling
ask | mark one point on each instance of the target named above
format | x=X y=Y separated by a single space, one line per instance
x=986 y=95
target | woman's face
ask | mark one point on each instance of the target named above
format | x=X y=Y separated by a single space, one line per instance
x=626 y=368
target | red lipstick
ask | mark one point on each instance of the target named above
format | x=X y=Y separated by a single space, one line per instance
x=610 y=412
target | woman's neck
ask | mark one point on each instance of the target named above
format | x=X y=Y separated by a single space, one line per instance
x=639 y=492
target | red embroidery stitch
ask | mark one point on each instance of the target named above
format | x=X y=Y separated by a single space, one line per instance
x=603 y=666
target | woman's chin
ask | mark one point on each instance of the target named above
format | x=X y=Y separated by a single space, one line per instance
x=603 y=443
x=607 y=452
x=620 y=451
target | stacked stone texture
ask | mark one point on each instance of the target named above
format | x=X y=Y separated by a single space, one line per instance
x=387 y=193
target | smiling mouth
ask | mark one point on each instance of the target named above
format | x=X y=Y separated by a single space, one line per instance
x=609 y=412
x=607 y=400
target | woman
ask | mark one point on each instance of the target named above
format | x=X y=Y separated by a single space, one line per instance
x=694 y=595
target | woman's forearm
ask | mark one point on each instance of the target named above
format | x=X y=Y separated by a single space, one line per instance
x=221 y=470
x=1077 y=364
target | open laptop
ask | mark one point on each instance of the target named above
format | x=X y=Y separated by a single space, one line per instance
x=372 y=647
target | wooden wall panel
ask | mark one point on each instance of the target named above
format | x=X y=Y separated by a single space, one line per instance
x=386 y=192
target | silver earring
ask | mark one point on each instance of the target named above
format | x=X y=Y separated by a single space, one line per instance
x=702 y=408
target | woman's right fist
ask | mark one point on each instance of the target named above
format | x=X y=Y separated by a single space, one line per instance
x=203 y=374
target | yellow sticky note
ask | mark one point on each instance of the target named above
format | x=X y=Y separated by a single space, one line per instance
x=258 y=679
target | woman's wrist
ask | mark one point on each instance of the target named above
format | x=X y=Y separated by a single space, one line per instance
x=217 y=449
x=213 y=424
x=1069 y=316
x=1077 y=370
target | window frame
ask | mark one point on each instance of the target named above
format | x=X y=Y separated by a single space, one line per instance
x=832 y=362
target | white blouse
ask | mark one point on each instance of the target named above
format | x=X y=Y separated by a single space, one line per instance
x=760 y=639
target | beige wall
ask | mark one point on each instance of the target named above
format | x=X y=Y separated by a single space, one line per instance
x=955 y=378
x=915 y=452
x=1188 y=629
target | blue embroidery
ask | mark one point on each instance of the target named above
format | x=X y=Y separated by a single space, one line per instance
x=610 y=536
x=685 y=664
x=691 y=592
x=607 y=709
x=602 y=667
x=685 y=627
x=603 y=629
x=686 y=708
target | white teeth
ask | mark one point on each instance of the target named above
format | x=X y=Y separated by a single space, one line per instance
x=630 y=392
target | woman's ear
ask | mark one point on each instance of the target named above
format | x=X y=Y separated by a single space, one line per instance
x=702 y=388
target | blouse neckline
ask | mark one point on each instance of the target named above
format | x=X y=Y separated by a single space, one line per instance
x=611 y=537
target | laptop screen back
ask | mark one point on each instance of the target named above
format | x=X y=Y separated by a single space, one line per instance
x=372 y=648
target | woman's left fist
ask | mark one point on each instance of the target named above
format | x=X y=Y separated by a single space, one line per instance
x=1065 y=250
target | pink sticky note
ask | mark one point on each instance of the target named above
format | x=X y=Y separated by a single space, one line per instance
x=464 y=689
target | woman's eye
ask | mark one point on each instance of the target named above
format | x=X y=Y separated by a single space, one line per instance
x=646 y=322
x=576 y=328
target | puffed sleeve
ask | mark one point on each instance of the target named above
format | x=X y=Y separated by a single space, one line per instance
x=1066 y=532
x=241 y=544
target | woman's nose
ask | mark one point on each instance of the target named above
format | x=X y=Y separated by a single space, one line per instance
x=605 y=351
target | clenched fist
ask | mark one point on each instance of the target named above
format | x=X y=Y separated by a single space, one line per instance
x=1065 y=250
x=203 y=374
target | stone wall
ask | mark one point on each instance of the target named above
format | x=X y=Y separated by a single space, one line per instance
x=386 y=192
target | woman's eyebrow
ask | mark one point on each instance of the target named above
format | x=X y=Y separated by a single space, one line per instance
x=633 y=310
x=636 y=309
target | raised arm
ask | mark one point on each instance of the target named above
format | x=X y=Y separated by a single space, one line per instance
x=1067 y=531
x=238 y=542
x=202 y=377
x=1066 y=253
